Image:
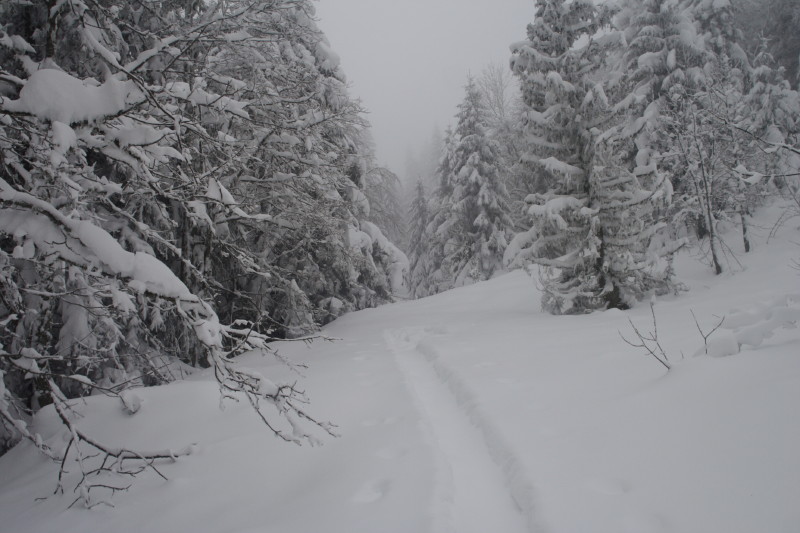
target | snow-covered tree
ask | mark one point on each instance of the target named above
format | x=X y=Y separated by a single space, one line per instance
x=714 y=105
x=382 y=188
x=654 y=57
x=554 y=65
x=501 y=95
x=597 y=227
x=440 y=206
x=423 y=162
x=772 y=25
x=180 y=182
x=471 y=230
x=419 y=246
x=770 y=129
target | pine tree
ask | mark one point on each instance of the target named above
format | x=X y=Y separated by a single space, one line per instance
x=500 y=91
x=419 y=247
x=652 y=59
x=563 y=109
x=438 y=229
x=473 y=230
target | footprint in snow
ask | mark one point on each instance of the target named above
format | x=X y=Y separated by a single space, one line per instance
x=372 y=491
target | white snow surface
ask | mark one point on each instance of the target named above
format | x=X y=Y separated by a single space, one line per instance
x=472 y=411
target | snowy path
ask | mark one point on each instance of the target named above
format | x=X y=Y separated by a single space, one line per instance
x=474 y=478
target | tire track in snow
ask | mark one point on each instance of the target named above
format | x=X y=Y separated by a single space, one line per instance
x=480 y=483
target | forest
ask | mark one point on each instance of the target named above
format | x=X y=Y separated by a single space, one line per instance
x=186 y=182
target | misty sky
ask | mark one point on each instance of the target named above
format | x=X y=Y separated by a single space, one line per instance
x=407 y=60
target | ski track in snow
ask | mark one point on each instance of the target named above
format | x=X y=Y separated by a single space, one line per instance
x=480 y=485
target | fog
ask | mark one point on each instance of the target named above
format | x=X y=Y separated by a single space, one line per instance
x=408 y=60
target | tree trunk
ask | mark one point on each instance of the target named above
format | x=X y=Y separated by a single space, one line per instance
x=712 y=240
x=52 y=30
x=745 y=236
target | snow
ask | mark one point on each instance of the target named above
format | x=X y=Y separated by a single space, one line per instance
x=553 y=208
x=329 y=60
x=359 y=240
x=81 y=379
x=399 y=266
x=56 y=96
x=358 y=199
x=28 y=361
x=198 y=95
x=128 y=132
x=559 y=167
x=671 y=60
x=472 y=411
x=63 y=138
x=86 y=242
x=723 y=344
x=15 y=42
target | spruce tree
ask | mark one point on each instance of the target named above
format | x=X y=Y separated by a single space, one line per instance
x=473 y=230
x=419 y=246
x=559 y=120
x=441 y=207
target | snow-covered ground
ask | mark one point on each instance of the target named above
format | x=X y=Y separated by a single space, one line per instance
x=472 y=411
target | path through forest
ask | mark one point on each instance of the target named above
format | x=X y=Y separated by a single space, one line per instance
x=473 y=487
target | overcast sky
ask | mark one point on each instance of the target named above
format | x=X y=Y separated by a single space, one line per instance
x=407 y=60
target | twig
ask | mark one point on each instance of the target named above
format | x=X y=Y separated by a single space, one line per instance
x=649 y=341
x=706 y=335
